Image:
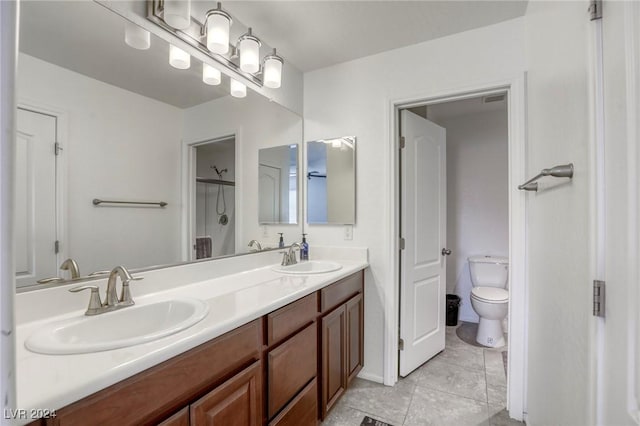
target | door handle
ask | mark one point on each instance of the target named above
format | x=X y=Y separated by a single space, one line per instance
x=446 y=252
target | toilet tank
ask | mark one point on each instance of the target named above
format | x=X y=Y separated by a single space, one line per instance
x=489 y=271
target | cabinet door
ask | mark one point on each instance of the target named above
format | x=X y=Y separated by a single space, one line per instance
x=237 y=402
x=181 y=418
x=334 y=378
x=355 y=336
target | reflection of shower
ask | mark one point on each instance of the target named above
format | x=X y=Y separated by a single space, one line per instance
x=221 y=211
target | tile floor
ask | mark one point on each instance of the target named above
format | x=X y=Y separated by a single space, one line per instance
x=463 y=385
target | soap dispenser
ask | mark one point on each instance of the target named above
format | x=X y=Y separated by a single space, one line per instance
x=281 y=242
x=304 y=248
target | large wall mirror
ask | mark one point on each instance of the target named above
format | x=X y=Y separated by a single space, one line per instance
x=131 y=130
x=331 y=181
x=278 y=185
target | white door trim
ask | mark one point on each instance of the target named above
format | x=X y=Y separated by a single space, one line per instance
x=62 y=208
x=189 y=189
x=518 y=294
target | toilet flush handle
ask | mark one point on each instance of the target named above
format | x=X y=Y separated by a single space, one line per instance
x=446 y=252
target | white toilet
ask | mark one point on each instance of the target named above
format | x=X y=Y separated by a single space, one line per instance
x=489 y=297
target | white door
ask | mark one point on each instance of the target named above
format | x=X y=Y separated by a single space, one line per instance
x=618 y=352
x=423 y=227
x=269 y=190
x=35 y=198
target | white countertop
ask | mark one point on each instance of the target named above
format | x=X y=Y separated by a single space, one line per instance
x=54 y=381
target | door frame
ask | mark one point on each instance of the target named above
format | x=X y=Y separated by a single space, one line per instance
x=189 y=189
x=62 y=208
x=514 y=86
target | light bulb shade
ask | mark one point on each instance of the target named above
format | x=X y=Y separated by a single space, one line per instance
x=136 y=37
x=178 y=58
x=177 y=13
x=218 y=23
x=210 y=75
x=238 y=90
x=273 y=71
x=249 y=55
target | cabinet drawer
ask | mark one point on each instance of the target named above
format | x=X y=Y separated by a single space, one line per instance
x=238 y=401
x=154 y=394
x=181 y=418
x=287 y=320
x=302 y=411
x=341 y=291
x=291 y=366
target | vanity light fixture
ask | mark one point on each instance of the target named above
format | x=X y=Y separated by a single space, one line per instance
x=216 y=28
x=273 y=70
x=177 y=13
x=211 y=75
x=136 y=36
x=178 y=58
x=238 y=90
x=249 y=49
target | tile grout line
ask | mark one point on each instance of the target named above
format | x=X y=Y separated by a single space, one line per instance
x=404 y=419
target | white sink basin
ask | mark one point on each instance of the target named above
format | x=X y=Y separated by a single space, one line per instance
x=309 y=267
x=117 y=329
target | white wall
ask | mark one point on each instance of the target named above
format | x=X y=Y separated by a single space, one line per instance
x=257 y=123
x=559 y=236
x=121 y=146
x=477 y=196
x=354 y=98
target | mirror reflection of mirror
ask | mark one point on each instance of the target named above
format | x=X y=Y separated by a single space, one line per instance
x=331 y=181
x=125 y=120
x=278 y=185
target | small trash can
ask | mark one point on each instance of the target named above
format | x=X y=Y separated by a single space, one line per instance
x=453 y=303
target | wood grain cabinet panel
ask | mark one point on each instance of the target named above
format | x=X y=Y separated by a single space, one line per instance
x=291 y=318
x=334 y=378
x=154 y=394
x=290 y=367
x=181 y=418
x=237 y=402
x=302 y=411
x=341 y=291
x=355 y=338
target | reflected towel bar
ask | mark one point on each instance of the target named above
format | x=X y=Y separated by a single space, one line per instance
x=97 y=202
x=565 y=170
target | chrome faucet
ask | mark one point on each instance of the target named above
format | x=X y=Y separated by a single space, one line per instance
x=289 y=257
x=71 y=266
x=112 y=302
x=257 y=244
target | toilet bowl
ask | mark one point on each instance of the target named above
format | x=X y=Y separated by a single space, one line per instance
x=489 y=297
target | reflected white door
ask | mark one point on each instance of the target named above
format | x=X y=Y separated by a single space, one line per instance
x=35 y=198
x=423 y=227
x=269 y=190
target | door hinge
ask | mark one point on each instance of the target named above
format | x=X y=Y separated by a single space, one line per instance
x=401 y=242
x=401 y=345
x=403 y=142
x=56 y=246
x=57 y=148
x=599 y=292
x=595 y=9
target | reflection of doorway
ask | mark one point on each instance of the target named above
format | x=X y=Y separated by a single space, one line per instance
x=269 y=190
x=212 y=177
x=36 y=198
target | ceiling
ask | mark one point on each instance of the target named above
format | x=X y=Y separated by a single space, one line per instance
x=89 y=39
x=317 y=34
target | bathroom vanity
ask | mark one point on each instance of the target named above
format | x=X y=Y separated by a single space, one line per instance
x=287 y=365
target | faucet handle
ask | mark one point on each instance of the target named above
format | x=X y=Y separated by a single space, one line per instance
x=95 y=304
x=125 y=294
x=96 y=273
x=50 y=280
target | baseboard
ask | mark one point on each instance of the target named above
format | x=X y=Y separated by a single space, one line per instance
x=371 y=377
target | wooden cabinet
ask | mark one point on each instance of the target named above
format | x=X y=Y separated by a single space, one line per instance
x=288 y=368
x=341 y=338
x=237 y=402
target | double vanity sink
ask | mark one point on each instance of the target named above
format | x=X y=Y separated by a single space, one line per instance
x=138 y=324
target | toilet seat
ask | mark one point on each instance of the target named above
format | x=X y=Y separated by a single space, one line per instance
x=490 y=294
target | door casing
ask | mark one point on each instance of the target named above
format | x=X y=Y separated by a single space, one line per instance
x=514 y=86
